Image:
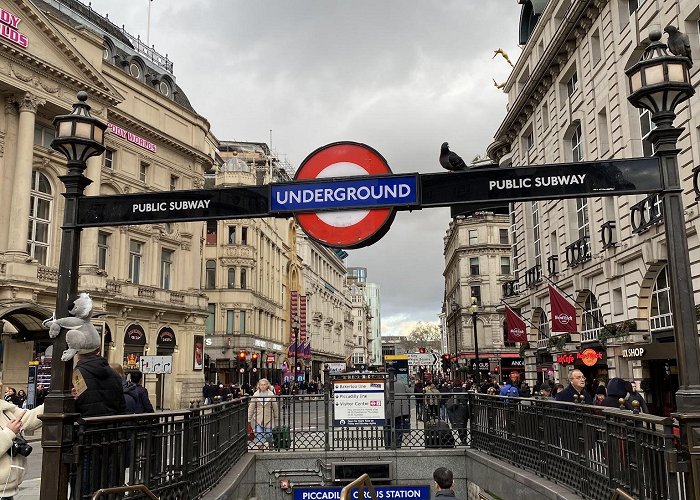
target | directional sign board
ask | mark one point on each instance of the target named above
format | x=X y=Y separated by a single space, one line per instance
x=422 y=358
x=156 y=364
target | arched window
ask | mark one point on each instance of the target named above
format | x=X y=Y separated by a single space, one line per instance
x=243 y=277
x=543 y=327
x=211 y=274
x=39 y=217
x=231 y=277
x=661 y=317
x=591 y=320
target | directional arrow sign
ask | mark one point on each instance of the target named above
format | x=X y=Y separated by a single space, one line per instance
x=422 y=358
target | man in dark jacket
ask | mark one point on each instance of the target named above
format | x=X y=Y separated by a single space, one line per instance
x=577 y=387
x=97 y=388
x=617 y=389
x=143 y=402
x=635 y=396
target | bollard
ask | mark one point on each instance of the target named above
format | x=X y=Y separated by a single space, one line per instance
x=635 y=407
x=621 y=402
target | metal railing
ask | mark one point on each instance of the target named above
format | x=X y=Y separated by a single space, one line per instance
x=182 y=454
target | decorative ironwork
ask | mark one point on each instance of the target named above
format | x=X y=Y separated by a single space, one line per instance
x=533 y=276
x=510 y=288
x=542 y=344
x=552 y=265
x=647 y=213
x=607 y=234
x=578 y=252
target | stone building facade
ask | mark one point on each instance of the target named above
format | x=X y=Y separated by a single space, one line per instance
x=568 y=102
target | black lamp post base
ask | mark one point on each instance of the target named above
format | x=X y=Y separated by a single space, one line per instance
x=688 y=400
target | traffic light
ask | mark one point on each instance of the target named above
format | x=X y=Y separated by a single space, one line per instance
x=241 y=359
x=254 y=360
x=445 y=363
x=421 y=350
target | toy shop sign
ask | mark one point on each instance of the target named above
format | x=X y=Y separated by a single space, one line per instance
x=586 y=357
x=131 y=137
x=9 y=24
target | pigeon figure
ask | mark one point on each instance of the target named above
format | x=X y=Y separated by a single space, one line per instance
x=678 y=43
x=450 y=160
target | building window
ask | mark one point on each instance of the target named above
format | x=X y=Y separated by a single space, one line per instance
x=503 y=236
x=545 y=117
x=529 y=140
x=576 y=145
x=174 y=179
x=164 y=88
x=40 y=201
x=243 y=277
x=543 y=327
x=230 y=320
x=582 y=217
x=43 y=135
x=244 y=235
x=571 y=84
x=166 y=266
x=476 y=293
x=211 y=232
x=634 y=5
x=473 y=237
x=143 y=171
x=242 y=322
x=603 y=142
x=135 y=254
x=646 y=126
x=210 y=279
x=211 y=319
x=231 y=280
x=102 y=250
x=109 y=159
x=536 y=242
x=596 y=48
x=591 y=319
x=505 y=265
x=232 y=235
x=661 y=317
x=135 y=70
x=617 y=302
x=474 y=266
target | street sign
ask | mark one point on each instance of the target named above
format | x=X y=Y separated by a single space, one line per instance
x=349 y=228
x=416 y=492
x=422 y=358
x=270 y=358
x=156 y=364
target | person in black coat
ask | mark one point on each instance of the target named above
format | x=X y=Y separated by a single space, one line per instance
x=577 y=387
x=617 y=389
x=143 y=402
x=97 y=388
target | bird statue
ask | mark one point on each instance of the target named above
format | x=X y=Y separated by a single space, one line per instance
x=504 y=54
x=451 y=160
x=678 y=43
x=498 y=85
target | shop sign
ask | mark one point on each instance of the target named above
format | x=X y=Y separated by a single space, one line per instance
x=270 y=359
x=566 y=359
x=8 y=29
x=633 y=352
x=166 y=338
x=135 y=335
x=132 y=138
x=589 y=357
x=484 y=364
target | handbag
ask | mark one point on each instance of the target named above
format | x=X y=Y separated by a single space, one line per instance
x=20 y=446
x=251 y=434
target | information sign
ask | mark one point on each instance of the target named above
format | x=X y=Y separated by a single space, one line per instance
x=383 y=493
x=358 y=402
x=422 y=358
x=156 y=364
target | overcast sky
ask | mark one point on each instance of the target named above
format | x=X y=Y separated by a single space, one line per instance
x=402 y=76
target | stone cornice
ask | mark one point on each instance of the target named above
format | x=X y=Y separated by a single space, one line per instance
x=575 y=25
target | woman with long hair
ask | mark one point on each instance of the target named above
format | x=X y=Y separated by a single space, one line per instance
x=262 y=412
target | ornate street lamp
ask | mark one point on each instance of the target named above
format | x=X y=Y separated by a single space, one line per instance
x=454 y=307
x=659 y=82
x=295 y=332
x=79 y=136
x=474 y=309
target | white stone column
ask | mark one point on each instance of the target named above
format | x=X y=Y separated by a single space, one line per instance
x=22 y=182
x=7 y=170
x=88 y=238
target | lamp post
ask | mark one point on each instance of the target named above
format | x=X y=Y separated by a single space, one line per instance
x=658 y=83
x=79 y=136
x=454 y=307
x=295 y=331
x=474 y=308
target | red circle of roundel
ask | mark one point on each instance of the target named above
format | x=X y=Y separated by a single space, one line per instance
x=377 y=221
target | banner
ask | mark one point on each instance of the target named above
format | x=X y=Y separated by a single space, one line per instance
x=563 y=312
x=515 y=325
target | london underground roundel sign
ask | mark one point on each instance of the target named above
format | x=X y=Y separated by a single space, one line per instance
x=347 y=228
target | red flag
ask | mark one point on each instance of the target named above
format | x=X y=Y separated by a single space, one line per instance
x=563 y=312
x=516 y=326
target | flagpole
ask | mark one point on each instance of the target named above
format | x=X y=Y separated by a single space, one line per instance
x=148 y=27
x=595 y=318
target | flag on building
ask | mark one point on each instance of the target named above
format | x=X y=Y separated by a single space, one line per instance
x=563 y=312
x=515 y=326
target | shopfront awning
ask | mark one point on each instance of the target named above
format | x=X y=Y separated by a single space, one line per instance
x=27 y=319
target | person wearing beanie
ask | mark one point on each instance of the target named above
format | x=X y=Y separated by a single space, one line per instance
x=600 y=394
x=617 y=388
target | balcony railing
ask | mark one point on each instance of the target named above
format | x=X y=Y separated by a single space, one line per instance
x=578 y=252
x=647 y=213
x=542 y=344
x=607 y=235
x=510 y=288
x=533 y=276
x=552 y=265
x=590 y=335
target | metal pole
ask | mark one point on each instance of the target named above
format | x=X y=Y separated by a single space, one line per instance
x=456 y=365
x=59 y=406
x=476 y=348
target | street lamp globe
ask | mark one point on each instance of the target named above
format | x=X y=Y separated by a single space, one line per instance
x=454 y=307
x=79 y=135
x=659 y=81
x=474 y=307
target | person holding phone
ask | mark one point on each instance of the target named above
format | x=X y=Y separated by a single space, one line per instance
x=14 y=452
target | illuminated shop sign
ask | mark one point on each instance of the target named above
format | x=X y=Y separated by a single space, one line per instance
x=587 y=357
x=8 y=29
x=133 y=138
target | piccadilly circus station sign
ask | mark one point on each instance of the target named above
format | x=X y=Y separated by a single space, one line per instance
x=344 y=194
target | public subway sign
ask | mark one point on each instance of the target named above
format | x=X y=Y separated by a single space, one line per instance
x=382 y=492
x=131 y=137
x=9 y=24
